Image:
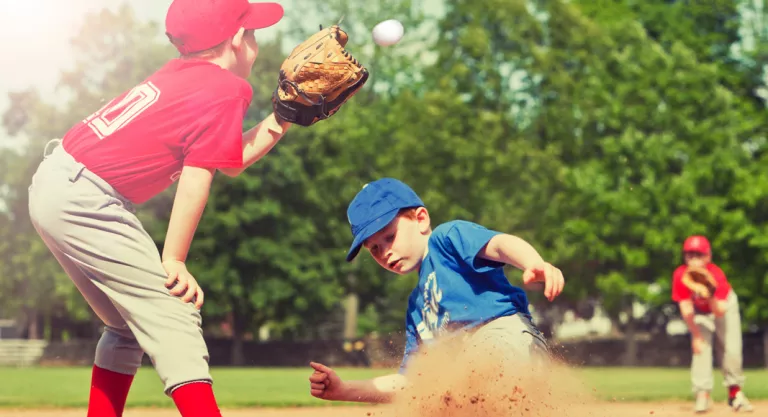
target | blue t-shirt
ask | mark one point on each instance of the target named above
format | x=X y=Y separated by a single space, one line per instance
x=456 y=288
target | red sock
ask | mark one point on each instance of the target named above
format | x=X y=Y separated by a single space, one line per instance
x=196 y=400
x=109 y=390
x=733 y=390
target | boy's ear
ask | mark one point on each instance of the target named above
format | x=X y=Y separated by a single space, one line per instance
x=422 y=215
x=237 y=40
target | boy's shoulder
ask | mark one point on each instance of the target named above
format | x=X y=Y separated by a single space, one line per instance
x=458 y=237
x=714 y=268
x=678 y=272
x=203 y=79
x=455 y=226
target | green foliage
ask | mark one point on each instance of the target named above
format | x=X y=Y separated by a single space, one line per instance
x=603 y=132
x=644 y=141
x=656 y=146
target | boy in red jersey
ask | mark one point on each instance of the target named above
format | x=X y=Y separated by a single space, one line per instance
x=717 y=315
x=183 y=123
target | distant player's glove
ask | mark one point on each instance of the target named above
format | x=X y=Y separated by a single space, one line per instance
x=700 y=281
x=317 y=78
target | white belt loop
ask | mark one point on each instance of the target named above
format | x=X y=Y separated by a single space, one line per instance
x=46 y=154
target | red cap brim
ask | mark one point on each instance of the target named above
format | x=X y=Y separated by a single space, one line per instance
x=263 y=15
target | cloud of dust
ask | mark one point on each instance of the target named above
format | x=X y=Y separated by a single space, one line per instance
x=453 y=380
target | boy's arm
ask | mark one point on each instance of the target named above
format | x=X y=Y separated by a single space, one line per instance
x=188 y=205
x=719 y=300
x=511 y=250
x=718 y=306
x=686 y=312
x=325 y=384
x=376 y=390
x=697 y=339
x=258 y=141
x=515 y=251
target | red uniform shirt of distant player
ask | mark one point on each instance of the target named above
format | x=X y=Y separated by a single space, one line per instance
x=680 y=292
x=699 y=244
x=189 y=112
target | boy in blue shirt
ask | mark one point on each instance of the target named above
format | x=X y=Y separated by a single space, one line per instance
x=462 y=288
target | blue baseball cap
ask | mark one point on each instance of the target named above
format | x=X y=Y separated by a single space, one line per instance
x=375 y=206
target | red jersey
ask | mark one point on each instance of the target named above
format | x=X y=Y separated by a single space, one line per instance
x=188 y=113
x=680 y=292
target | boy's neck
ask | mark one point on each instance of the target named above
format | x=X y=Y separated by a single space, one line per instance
x=426 y=252
x=219 y=61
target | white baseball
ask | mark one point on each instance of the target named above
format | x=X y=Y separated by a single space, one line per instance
x=388 y=32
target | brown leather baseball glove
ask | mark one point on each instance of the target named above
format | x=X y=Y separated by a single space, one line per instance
x=700 y=281
x=317 y=78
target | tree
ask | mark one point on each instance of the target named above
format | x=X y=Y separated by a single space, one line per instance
x=645 y=144
x=732 y=36
x=655 y=149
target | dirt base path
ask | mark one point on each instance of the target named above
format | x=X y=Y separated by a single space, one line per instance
x=670 y=409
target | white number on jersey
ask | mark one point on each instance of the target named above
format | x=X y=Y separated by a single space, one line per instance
x=115 y=115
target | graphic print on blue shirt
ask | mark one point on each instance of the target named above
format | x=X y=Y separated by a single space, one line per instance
x=456 y=288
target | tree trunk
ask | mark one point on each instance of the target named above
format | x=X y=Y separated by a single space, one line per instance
x=238 y=358
x=765 y=347
x=350 y=316
x=630 y=344
x=33 y=325
x=630 y=337
x=238 y=333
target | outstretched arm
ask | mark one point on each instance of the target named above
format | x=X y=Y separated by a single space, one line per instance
x=515 y=251
x=687 y=312
x=511 y=250
x=718 y=306
x=326 y=385
x=258 y=141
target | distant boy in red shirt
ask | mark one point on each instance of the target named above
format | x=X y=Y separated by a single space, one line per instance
x=719 y=316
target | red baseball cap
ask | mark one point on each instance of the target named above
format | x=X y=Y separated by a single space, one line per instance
x=197 y=25
x=696 y=244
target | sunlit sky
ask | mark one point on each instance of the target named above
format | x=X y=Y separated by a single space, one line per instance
x=35 y=35
x=34 y=38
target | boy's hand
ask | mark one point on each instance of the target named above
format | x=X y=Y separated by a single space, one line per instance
x=697 y=344
x=546 y=273
x=182 y=283
x=324 y=383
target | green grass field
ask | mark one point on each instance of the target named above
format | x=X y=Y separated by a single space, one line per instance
x=280 y=387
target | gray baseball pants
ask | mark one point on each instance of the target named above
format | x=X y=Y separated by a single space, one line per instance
x=727 y=335
x=95 y=236
x=514 y=339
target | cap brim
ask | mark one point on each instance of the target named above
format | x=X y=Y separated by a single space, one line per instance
x=263 y=15
x=369 y=231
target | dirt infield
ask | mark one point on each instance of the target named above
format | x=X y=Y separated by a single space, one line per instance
x=676 y=409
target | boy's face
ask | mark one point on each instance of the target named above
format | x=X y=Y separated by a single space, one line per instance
x=399 y=247
x=697 y=259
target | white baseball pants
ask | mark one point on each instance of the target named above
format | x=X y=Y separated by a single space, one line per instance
x=94 y=234
x=725 y=331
